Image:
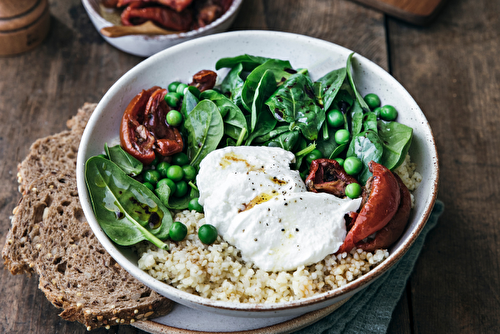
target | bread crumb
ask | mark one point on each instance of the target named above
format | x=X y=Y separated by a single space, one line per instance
x=136 y=311
x=34 y=189
x=87 y=311
x=31 y=265
x=107 y=327
x=132 y=321
x=14 y=211
x=79 y=294
x=122 y=321
x=89 y=328
x=112 y=306
x=118 y=320
x=10 y=241
x=78 y=305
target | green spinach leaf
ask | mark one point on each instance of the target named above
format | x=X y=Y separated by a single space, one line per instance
x=396 y=138
x=130 y=165
x=356 y=119
x=285 y=140
x=359 y=98
x=328 y=86
x=367 y=146
x=277 y=67
x=233 y=84
x=370 y=122
x=247 y=61
x=272 y=134
x=294 y=102
x=264 y=89
x=127 y=211
x=189 y=102
x=265 y=123
x=205 y=129
x=175 y=203
x=235 y=124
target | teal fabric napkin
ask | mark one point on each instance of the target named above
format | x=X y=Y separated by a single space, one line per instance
x=370 y=310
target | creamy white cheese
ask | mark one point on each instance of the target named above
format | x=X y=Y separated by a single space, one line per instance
x=261 y=206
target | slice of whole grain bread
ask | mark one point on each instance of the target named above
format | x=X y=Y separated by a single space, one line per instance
x=57 y=152
x=50 y=237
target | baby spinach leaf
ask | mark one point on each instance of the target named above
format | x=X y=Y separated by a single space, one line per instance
x=285 y=140
x=130 y=165
x=127 y=211
x=327 y=146
x=248 y=62
x=329 y=85
x=337 y=151
x=265 y=123
x=359 y=98
x=272 y=134
x=205 y=129
x=294 y=102
x=233 y=84
x=396 y=138
x=189 y=102
x=234 y=119
x=356 y=118
x=367 y=146
x=277 y=67
x=264 y=89
x=370 y=122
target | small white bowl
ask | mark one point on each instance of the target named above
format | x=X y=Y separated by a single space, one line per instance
x=184 y=60
x=144 y=45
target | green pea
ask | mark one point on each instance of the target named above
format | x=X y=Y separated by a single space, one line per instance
x=149 y=186
x=353 y=190
x=180 y=88
x=335 y=118
x=162 y=168
x=342 y=136
x=340 y=161
x=377 y=111
x=152 y=176
x=182 y=189
x=315 y=154
x=189 y=172
x=352 y=165
x=177 y=231
x=195 y=205
x=175 y=173
x=171 y=184
x=372 y=100
x=207 y=234
x=173 y=86
x=180 y=159
x=388 y=113
x=174 y=118
x=173 y=99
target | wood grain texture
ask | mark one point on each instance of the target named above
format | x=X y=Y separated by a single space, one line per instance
x=451 y=69
x=414 y=11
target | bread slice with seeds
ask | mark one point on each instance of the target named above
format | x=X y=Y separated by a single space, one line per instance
x=50 y=237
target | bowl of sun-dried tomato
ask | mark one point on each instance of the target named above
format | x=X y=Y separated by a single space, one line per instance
x=146 y=27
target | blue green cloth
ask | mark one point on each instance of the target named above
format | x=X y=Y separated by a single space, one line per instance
x=370 y=310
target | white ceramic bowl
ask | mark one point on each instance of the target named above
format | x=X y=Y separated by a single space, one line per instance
x=145 y=46
x=180 y=63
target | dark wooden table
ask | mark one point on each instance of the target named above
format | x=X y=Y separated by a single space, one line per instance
x=450 y=67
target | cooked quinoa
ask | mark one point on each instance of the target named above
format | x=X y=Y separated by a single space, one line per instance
x=218 y=272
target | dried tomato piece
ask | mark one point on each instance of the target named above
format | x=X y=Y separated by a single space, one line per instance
x=204 y=80
x=168 y=138
x=168 y=18
x=178 y=5
x=391 y=232
x=144 y=129
x=380 y=208
x=134 y=137
x=328 y=176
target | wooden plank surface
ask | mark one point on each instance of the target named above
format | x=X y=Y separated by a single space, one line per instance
x=450 y=68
